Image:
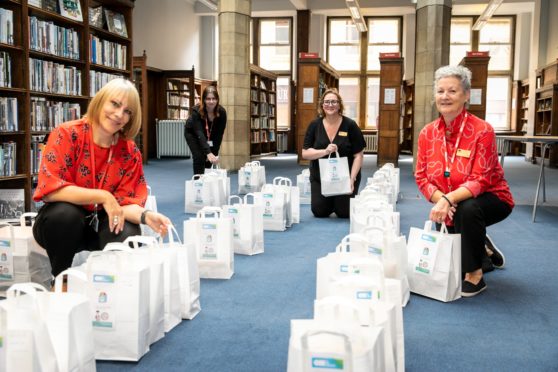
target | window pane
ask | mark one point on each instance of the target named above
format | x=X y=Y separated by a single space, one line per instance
x=496 y=31
x=373 y=103
x=497 y=102
x=461 y=31
x=374 y=55
x=500 y=56
x=350 y=92
x=383 y=31
x=275 y=58
x=283 y=104
x=343 y=31
x=457 y=52
x=344 y=57
x=274 y=32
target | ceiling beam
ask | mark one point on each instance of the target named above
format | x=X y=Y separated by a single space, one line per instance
x=300 y=4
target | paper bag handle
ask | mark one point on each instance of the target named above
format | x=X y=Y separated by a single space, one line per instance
x=17 y=289
x=284 y=181
x=68 y=272
x=112 y=247
x=216 y=211
x=307 y=335
x=235 y=197
x=253 y=198
x=336 y=153
x=336 y=303
x=172 y=234
x=31 y=215
x=137 y=239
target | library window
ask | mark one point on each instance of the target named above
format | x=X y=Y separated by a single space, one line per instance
x=383 y=37
x=373 y=99
x=349 y=88
x=460 y=39
x=275 y=44
x=344 y=45
x=283 y=102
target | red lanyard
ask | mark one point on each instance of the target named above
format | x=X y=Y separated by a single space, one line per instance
x=207 y=131
x=92 y=152
x=450 y=162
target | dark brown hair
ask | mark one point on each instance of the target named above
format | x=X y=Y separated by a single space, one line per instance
x=209 y=90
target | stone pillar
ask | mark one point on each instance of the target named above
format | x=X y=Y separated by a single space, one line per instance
x=433 y=19
x=234 y=80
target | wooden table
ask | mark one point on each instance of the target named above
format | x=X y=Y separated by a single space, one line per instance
x=546 y=141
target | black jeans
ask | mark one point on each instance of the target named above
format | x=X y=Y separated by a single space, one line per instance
x=199 y=157
x=470 y=220
x=323 y=206
x=63 y=230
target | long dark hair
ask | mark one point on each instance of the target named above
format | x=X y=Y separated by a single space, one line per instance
x=210 y=89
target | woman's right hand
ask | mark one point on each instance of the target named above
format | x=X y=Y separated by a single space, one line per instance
x=332 y=147
x=115 y=213
x=212 y=158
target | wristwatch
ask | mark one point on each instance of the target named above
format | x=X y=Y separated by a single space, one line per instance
x=143 y=214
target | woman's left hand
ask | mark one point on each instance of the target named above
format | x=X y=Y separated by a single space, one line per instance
x=441 y=210
x=212 y=158
x=158 y=222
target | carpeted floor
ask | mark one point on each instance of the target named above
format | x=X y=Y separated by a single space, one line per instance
x=244 y=322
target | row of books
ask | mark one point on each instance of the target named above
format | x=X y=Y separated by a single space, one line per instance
x=262 y=136
x=174 y=113
x=98 y=79
x=107 y=53
x=262 y=123
x=37 y=145
x=262 y=109
x=6 y=26
x=8 y=159
x=177 y=85
x=8 y=114
x=46 y=115
x=178 y=99
x=52 y=77
x=5 y=70
x=50 y=5
x=49 y=38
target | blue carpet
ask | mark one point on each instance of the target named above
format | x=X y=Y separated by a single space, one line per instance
x=244 y=322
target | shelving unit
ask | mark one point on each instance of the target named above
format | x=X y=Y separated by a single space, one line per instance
x=139 y=77
x=314 y=77
x=263 y=111
x=408 y=117
x=36 y=91
x=546 y=110
x=478 y=64
x=199 y=86
x=180 y=93
x=522 y=106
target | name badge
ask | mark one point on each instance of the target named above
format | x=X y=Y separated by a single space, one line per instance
x=210 y=143
x=342 y=134
x=464 y=153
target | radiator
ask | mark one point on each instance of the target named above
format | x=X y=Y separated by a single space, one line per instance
x=170 y=139
x=282 y=144
x=371 y=143
x=500 y=145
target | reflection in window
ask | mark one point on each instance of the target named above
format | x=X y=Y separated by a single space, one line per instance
x=344 y=45
x=383 y=37
x=283 y=104
x=275 y=46
x=497 y=102
x=349 y=90
x=373 y=99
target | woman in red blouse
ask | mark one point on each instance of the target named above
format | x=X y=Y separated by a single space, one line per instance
x=91 y=179
x=458 y=171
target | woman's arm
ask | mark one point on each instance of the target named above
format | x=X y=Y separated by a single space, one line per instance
x=158 y=222
x=313 y=154
x=357 y=165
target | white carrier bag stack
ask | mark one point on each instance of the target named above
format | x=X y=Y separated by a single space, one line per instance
x=216 y=170
x=27 y=345
x=303 y=183
x=118 y=286
x=151 y=204
x=247 y=221
x=203 y=190
x=274 y=206
x=434 y=263
x=365 y=208
x=251 y=177
x=171 y=285
x=188 y=273
x=21 y=258
x=212 y=235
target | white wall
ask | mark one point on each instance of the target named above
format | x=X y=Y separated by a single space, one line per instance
x=552 y=33
x=168 y=30
x=408 y=50
x=522 y=46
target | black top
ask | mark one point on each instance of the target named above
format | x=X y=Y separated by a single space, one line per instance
x=216 y=128
x=349 y=141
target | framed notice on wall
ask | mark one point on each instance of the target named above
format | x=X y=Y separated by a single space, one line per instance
x=476 y=96
x=389 y=96
x=308 y=95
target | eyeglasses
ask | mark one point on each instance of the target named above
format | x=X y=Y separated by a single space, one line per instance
x=332 y=102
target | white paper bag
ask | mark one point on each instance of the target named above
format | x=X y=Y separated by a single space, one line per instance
x=150 y=204
x=335 y=176
x=201 y=191
x=434 y=263
x=221 y=174
x=247 y=221
x=251 y=177
x=304 y=188
x=274 y=207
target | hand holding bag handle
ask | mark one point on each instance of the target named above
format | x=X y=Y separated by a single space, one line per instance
x=172 y=235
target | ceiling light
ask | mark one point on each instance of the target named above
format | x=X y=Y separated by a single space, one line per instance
x=356 y=15
x=486 y=14
x=211 y=4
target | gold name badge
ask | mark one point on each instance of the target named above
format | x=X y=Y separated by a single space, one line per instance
x=464 y=153
x=343 y=134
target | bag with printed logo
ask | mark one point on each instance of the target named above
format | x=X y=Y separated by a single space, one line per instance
x=247 y=221
x=335 y=176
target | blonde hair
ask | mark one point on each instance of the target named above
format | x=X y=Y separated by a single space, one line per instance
x=321 y=103
x=111 y=89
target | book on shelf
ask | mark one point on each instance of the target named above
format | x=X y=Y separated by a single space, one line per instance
x=6 y=26
x=116 y=22
x=50 y=5
x=71 y=9
x=96 y=17
x=5 y=70
x=37 y=3
x=8 y=159
x=12 y=204
x=8 y=114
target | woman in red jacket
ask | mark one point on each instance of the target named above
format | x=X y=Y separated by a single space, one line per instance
x=91 y=179
x=458 y=171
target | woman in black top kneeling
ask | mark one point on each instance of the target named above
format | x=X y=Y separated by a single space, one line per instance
x=332 y=132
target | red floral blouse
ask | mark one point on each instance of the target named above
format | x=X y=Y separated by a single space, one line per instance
x=66 y=160
x=475 y=165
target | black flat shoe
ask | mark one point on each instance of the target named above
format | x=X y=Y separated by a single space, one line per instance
x=469 y=289
x=497 y=257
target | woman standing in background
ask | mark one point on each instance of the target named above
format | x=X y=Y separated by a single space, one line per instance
x=204 y=130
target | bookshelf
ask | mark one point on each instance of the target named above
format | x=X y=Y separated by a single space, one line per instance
x=523 y=106
x=263 y=111
x=49 y=82
x=314 y=77
x=139 y=77
x=179 y=92
x=546 y=110
x=408 y=117
x=477 y=62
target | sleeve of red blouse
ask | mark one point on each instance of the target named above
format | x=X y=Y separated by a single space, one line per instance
x=486 y=159
x=132 y=189
x=425 y=187
x=57 y=162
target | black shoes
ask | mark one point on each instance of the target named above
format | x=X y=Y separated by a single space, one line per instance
x=497 y=257
x=469 y=289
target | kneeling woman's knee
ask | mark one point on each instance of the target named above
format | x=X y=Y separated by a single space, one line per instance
x=468 y=209
x=321 y=211
x=64 y=215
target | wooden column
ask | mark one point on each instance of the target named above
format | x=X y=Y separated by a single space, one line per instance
x=477 y=62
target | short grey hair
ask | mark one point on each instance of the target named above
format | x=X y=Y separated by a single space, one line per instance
x=462 y=73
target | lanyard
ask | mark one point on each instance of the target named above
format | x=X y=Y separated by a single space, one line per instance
x=207 y=130
x=92 y=152
x=450 y=162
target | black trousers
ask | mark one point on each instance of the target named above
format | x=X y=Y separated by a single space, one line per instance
x=63 y=230
x=324 y=206
x=199 y=157
x=470 y=220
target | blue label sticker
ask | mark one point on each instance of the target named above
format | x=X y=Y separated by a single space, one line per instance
x=209 y=226
x=327 y=363
x=98 y=278
x=343 y=268
x=428 y=238
x=5 y=243
x=364 y=295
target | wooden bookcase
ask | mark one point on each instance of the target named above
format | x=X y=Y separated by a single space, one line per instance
x=479 y=68
x=139 y=77
x=263 y=112
x=180 y=93
x=546 y=110
x=522 y=106
x=408 y=117
x=314 y=77
x=85 y=70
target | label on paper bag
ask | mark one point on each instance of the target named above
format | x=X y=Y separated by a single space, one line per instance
x=234 y=215
x=247 y=178
x=328 y=363
x=268 y=208
x=427 y=254
x=344 y=268
x=208 y=242
x=104 y=301
x=6 y=260
x=363 y=295
x=375 y=250
x=198 y=199
x=333 y=175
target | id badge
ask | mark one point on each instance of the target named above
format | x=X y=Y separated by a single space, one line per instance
x=210 y=143
x=94 y=223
